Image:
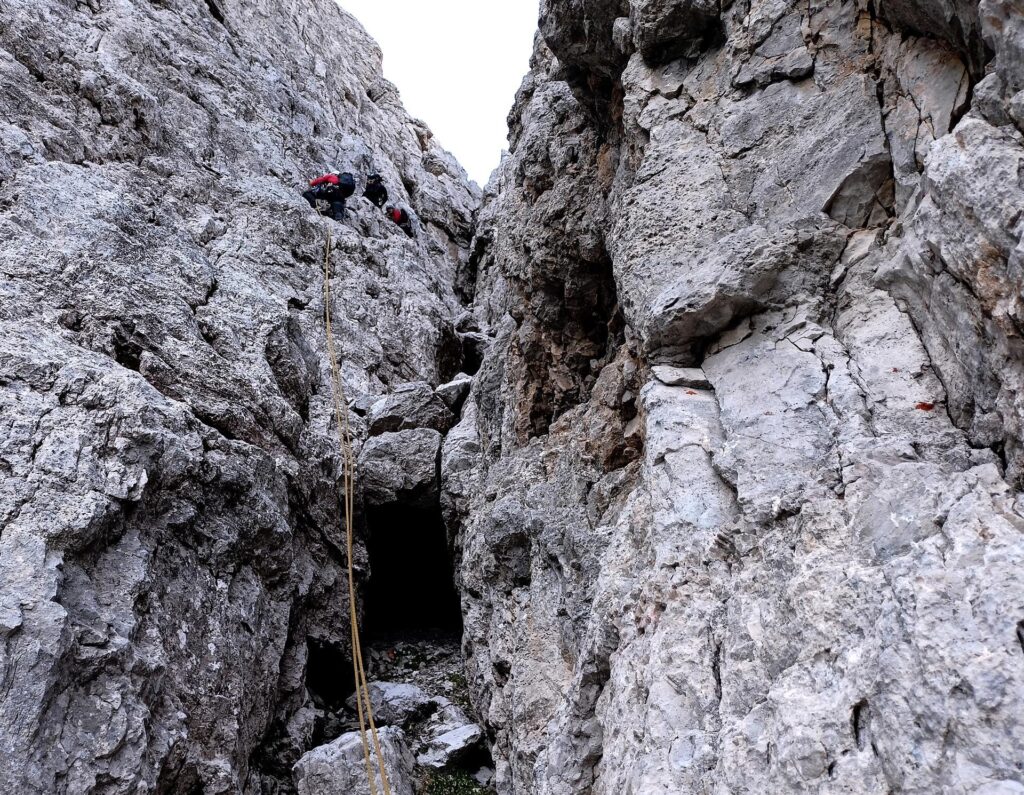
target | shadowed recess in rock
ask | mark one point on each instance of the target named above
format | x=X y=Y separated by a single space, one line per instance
x=328 y=676
x=412 y=592
x=576 y=331
x=215 y=10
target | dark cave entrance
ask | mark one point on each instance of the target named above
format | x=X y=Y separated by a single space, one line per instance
x=325 y=681
x=411 y=594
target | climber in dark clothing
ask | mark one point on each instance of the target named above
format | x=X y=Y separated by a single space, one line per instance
x=333 y=188
x=401 y=217
x=375 y=190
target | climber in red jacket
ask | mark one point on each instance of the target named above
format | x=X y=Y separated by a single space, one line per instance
x=401 y=217
x=333 y=188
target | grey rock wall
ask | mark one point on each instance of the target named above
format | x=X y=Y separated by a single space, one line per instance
x=171 y=559
x=737 y=489
x=734 y=493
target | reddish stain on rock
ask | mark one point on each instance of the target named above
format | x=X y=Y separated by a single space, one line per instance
x=925 y=406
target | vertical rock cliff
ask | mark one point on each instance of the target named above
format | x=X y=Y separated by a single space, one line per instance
x=172 y=609
x=708 y=407
x=737 y=491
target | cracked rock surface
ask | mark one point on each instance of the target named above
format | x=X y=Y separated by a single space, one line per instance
x=736 y=491
x=173 y=609
x=713 y=394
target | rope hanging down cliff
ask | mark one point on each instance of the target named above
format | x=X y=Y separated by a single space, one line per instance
x=364 y=706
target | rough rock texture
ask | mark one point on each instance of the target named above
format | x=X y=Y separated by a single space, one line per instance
x=736 y=489
x=397 y=703
x=448 y=748
x=734 y=494
x=428 y=699
x=172 y=610
x=400 y=467
x=410 y=406
x=340 y=768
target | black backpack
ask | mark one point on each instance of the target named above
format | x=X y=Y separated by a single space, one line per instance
x=346 y=184
x=375 y=190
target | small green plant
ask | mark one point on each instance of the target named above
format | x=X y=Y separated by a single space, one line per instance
x=460 y=691
x=457 y=783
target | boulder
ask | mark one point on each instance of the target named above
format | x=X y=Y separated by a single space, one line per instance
x=397 y=704
x=413 y=405
x=400 y=467
x=339 y=768
x=454 y=392
x=451 y=747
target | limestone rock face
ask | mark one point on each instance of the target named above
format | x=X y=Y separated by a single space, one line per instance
x=665 y=29
x=715 y=389
x=956 y=21
x=736 y=490
x=171 y=563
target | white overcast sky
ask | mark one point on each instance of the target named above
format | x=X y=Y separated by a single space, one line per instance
x=458 y=64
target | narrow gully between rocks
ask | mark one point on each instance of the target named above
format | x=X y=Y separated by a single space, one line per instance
x=413 y=630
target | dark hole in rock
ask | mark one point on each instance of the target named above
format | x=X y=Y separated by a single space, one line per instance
x=502 y=671
x=71 y=319
x=220 y=424
x=215 y=10
x=449 y=354
x=328 y=674
x=999 y=448
x=465 y=280
x=716 y=670
x=127 y=351
x=963 y=689
x=179 y=779
x=412 y=591
x=477 y=758
x=1020 y=634
x=859 y=720
x=474 y=347
x=692 y=34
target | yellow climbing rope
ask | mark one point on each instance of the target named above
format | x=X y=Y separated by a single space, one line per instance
x=364 y=707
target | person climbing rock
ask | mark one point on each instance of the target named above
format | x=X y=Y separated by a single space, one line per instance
x=333 y=188
x=375 y=190
x=401 y=217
